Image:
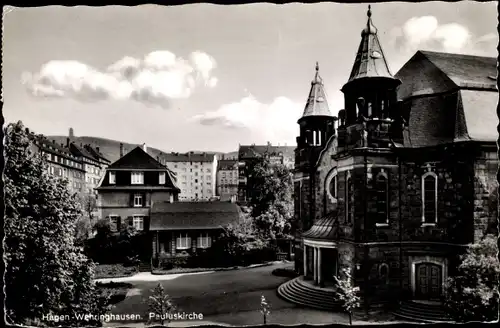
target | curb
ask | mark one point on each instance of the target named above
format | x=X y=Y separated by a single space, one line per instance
x=252 y=266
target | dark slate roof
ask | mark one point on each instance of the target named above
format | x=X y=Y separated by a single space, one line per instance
x=465 y=70
x=137 y=159
x=96 y=153
x=82 y=151
x=227 y=164
x=324 y=228
x=253 y=151
x=54 y=147
x=370 y=60
x=477 y=117
x=187 y=157
x=316 y=104
x=193 y=215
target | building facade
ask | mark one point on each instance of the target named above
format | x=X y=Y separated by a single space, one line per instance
x=406 y=180
x=248 y=153
x=227 y=180
x=196 y=174
x=129 y=188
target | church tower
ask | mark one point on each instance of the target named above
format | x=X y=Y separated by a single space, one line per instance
x=316 y=127
x=370 y=96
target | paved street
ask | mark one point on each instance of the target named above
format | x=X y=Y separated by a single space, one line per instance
x=226 y=297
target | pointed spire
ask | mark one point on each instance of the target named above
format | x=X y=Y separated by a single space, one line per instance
x=370 y=61
x=316 y=104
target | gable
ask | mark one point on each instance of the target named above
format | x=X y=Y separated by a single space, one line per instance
x=477 y=116
x=137 y=159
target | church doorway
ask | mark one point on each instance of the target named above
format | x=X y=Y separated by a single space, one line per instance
x=330 y=264
x=428 y=281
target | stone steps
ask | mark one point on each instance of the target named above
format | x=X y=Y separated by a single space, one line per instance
x=299 y=292
x=144 y=267
x=419 y=312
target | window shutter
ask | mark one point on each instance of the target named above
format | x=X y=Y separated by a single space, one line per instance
x=144 y=199
x=119 y=223
x=146 y=223
x=130 y=221
x=132 y=200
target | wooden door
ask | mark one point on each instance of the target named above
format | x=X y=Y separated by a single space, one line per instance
x=428 y=281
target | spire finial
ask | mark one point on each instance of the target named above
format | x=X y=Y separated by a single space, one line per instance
x=369 y=13
x=317 y=67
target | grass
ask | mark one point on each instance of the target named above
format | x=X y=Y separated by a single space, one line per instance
x=114 y=271
x=285 y=272
x=193 y=270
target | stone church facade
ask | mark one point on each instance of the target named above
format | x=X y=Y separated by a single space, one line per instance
x=398 y=184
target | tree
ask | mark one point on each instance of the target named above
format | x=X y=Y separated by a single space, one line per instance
x=271 y=197
x=46 y=274
x=472 y=294
x=347 y=293
x=265 y=308
x=160 y=306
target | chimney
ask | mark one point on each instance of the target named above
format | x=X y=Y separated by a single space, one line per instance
x=97 y=148
x=121 y=149
x=67 y=142
x=144 y=147
x=71 y=133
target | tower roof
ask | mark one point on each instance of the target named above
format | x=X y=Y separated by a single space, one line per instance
x=370 y=60
x=316 y=104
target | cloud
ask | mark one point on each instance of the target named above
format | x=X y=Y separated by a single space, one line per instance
x=275 y=121
x=155 y=79
x=426 y=33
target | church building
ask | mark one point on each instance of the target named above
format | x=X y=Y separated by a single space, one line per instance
x=398 y=184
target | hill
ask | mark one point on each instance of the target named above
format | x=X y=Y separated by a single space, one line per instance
x=111 y=148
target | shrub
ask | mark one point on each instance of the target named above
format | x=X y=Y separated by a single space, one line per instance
x=285 y=272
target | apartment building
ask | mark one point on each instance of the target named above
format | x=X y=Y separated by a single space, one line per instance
x=195 y=173
x=62 y=163
x=227 y=179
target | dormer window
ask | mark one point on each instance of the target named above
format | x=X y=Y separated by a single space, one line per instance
x=137 y=178
x=162 y=178
x=112 y=177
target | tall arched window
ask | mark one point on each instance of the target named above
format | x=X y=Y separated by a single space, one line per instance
x=348 y=195
x=382 y=197
x=429 y=198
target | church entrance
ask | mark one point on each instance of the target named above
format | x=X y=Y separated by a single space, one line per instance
x=428 y=281
x=329 y=267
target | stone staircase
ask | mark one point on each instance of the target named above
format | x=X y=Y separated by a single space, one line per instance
x=416 y=311
x=303 y=293
x=144 y=267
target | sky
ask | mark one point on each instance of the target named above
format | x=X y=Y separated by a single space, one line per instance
x=208 y=77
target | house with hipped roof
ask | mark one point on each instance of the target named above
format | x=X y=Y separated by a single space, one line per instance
x=138 y=191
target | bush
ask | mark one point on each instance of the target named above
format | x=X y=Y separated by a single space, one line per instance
x=285 y=272
x=113 y=271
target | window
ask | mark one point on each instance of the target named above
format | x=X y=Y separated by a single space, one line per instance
x=138 y=222
x=137 y=178
x=113 y=222
x=162 y=178
x=382 y=198
x=429 y=198
x=183 y=241
x=348 y=195
x=138 y=200
x=383 y=272
x=112 y=177
x=204 y=241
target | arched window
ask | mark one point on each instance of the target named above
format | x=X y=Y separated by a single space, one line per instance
x=382 y=198
x=331 y=186
x=383 y=272
x=348 y=196
x=429 y=198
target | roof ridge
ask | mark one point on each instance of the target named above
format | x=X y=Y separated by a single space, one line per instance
x=452 y=54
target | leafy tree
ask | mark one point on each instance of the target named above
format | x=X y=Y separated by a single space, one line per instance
x=472 y=294
x=46 y=274
x=347 y=293
x=271 y=197
x=160 y=306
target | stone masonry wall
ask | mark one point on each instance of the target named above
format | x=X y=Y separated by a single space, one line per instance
x=485 y=194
